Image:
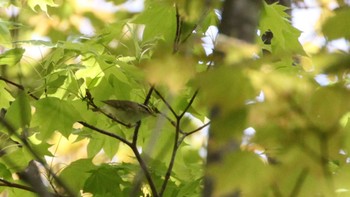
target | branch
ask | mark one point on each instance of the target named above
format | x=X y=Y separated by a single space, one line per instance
x=189 y=104
x=198 y=129
x=90 y=102
x=132 y=145
x=138 y=124
x=201 y=19
x=106 y=133
x=137 y=180
x=18 y=86
x=15 y=185
x=299 y=182
x=172 y=159
x=166 y=103
x=145 y=171
x=178 y=30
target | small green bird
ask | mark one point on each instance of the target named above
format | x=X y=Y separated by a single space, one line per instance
x=128 y=112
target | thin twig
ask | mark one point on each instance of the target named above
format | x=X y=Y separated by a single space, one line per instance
x=276 y=191
x=189 y=103
x=198 y=129
x=138 y=124
x=106 y=133
x=172 y=159
x=90 y=102
x=15 y=185
x=18 y=86
x=166 y=103
x=141 y=161
x=303 y=174
x=178 y=30
x=145 y=171
x=201 y=19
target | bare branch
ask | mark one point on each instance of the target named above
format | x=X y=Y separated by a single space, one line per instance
x=145 y=171
x=105 y=133
x=138 y=124
x=5 y=183
x=198 y=129
x=178 y=31
x=172 y=159
x=189 y=103
x=166 y=103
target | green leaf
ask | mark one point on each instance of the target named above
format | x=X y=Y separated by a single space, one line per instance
x=336 y=26
x=342 y=180
x=76 y=173
x=5 y=36
x=110 y=147
x=42 y=149
x=285 y=36
x=11 y=57
x=331 y=62
x=19 y=113
x=233 y=93
x=5 y=96
x=252 y=172
x=159 y=19
x=190 y=188
x=38 y=42
x=42 y=4
x=55 y=82
x=95 y=145
x=21 y=192
x=327 y=105
x=104 y=181
x=53 y=114
x=17 y=159
x=4 y=172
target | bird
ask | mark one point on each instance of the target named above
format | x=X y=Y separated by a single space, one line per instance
x=128 y=112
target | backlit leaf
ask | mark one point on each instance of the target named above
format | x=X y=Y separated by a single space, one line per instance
x=76 y=173
x=19 y=113
x=285 y=36
x=104 y=181
x=159 y=19
x=11 y=57
x=42 y=4
x=54 y=114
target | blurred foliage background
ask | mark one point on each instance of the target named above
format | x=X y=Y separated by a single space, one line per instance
x=276 y=106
